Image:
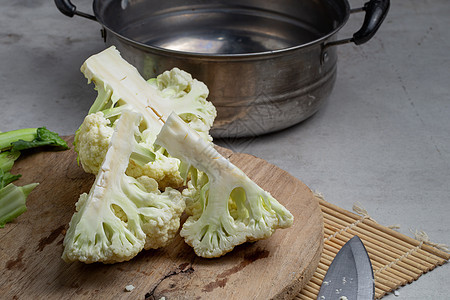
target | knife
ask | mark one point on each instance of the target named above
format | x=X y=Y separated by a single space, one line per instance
x=350 y=275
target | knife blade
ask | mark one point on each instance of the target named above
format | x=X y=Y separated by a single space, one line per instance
x=350 y=275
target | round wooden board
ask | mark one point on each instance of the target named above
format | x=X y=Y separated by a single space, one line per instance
x=275 y=268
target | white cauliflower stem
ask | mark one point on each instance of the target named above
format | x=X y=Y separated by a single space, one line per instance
x=228 y=208
x=121 y=215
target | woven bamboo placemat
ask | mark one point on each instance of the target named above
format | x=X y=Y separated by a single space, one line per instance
x=396 y=258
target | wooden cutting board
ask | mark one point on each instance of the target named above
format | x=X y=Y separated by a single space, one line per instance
x=31 y=246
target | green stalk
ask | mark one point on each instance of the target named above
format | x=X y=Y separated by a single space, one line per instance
x=12 y=201
x=101 y=101
x=7 y=159
x=6 y=138
x=142 y=155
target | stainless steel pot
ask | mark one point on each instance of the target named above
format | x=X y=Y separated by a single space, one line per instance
x=268 y=64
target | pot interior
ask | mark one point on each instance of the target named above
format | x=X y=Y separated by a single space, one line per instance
x=223 y=27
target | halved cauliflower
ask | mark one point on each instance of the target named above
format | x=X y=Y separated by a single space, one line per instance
x=121 y=215
x=227 y=208
x=120 y=88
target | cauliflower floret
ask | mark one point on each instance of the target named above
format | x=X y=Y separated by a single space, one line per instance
x=177 y=83
x=179 y=86
x=162 y=227
x=91 y=141
x=163 y=169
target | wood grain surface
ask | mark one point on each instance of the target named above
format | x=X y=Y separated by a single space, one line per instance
x=31 y=246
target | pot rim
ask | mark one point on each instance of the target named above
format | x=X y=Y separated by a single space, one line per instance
x=220 y=56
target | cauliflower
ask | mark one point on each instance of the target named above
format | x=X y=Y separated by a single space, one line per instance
x=227 y=207
x=92 y=140
x=121 y=215
x=120 y=88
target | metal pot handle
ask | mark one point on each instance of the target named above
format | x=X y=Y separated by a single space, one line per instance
x=376 y=11
x=67 y=8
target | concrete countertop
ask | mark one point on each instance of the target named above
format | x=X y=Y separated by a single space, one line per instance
x=383 y=139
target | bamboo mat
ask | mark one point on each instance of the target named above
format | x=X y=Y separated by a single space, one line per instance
x=396 y=258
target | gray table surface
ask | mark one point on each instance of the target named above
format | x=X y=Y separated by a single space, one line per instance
x=383 y=139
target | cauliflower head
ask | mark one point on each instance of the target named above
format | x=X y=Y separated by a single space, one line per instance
x=121 y=215
x=227 y=207
x=121 y=88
